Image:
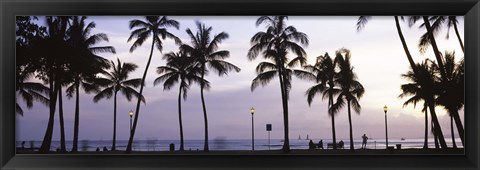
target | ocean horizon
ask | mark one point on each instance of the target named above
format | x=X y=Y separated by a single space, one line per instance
x=232 y=144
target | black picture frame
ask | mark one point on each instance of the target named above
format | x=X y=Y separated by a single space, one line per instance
x=10 y=8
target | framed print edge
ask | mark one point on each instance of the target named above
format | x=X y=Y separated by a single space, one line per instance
x=10 y=8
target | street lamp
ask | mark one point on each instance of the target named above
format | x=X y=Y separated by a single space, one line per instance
x=385 y=108
x=252 y=110
x=131 y=114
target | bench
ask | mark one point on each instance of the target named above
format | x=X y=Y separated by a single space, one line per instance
x=339 y=145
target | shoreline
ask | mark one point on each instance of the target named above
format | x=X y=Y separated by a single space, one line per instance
x=432 y=151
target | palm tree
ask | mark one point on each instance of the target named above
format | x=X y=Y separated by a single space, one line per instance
x=421 y=88
x=324 y=71
x=350 y=88
x=114 y=81
x=430 y=38
x=84 y=63
x=156 y=27
x=179 y=68
x=452 y=94
x=437 y=23
x=362 y=21
x=204 y=51
x=51 y=49
x=29 y=91
x=274 y=44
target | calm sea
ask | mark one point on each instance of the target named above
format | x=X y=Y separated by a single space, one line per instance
x=229 y=144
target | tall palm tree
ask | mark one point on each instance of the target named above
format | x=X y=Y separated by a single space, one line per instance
x=115 y=81
x=274 y=44
x=156 y=27
x=204 y=49
x=324 y=71
x=85 y=63
x=421 y=88
x=430 y=38
x=180 y=68
x=362 y=21
x=452 y=95
x=51 y=49
x=351 y=90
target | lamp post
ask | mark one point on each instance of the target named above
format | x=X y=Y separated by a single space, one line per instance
x=385 y=108
x=131 y=114
x=252 y=110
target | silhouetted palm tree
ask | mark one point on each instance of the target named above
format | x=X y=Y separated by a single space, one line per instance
x=361 y=24
x=204 y=51
x=452 y=94
x=179 y=69
x=351 y=90
x=441 y=67
x=52 y=50
x=84 y=63
x=114 y=81
x=421 y=88
x=324 y=71
x=29 y=91
x=156 y=28
x=437 y=23
x=274 y=44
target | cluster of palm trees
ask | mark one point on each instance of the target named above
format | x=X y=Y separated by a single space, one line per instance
x=436 y=83
x=63 y=54
x=276 y=43
x=335 y=77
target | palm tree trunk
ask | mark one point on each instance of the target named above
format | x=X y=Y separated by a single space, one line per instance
x=286 y=140
x=438 y=130
x=458 y=122
x=330 y=103
x=350 y=124
x=77 y=116
x=435 y=48
x=205 y=147
x=404 y=44
x=425 y=142
x=453 y=133
x=132 y=133
x=114 y=141
x=435 y=139
x=180 y=115
x=62 y=125
x=47 y=139
x=458 y=36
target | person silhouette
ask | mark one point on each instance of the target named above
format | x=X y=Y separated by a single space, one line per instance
x=105 y=149
x=320 y=144
x=364 y=141
x=311 y=145
x=340 y=144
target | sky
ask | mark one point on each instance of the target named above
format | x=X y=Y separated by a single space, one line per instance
x=377 y=57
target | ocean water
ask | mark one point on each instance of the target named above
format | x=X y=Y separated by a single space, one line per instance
x=230 y=144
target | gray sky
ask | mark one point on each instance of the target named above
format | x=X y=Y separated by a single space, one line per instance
x=377 y=56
